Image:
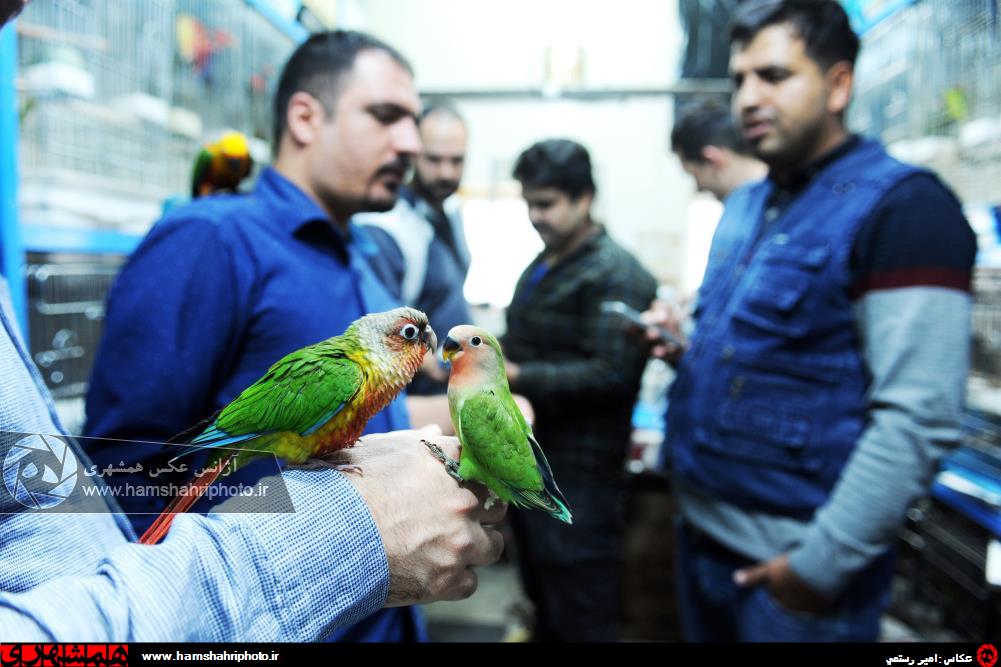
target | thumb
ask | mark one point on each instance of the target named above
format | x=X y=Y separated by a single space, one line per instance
x=751 y=576
x=430 y=429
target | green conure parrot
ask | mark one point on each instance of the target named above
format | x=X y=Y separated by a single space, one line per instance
x=220 y=166
x=312 y=402
x=499 y=449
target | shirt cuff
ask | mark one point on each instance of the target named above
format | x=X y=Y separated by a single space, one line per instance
x=823 y=564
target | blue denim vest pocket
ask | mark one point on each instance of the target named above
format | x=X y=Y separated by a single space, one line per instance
x=769 y=414
x=775 y=303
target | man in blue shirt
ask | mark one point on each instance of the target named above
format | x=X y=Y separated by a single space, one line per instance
x=352 y=545
x=222 y=288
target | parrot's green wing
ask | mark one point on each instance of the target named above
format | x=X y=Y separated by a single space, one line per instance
x=502 y=443
x=300 y=393
x=202 y=163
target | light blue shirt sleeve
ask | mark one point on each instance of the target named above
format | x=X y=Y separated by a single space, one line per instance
x=73 y=575
x=224 y=577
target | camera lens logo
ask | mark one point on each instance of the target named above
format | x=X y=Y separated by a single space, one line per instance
x=987 y=655
x=40 y=471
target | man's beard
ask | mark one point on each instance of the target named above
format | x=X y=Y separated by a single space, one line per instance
x=438 y=191
x=370 y=205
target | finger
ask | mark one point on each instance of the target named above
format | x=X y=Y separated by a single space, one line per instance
x=489 y=545
x=481 y=491
x=495 y=514
x=430 y=429
x=659 y=351
x=464 y=586
x=751 y=576
x=480 y=513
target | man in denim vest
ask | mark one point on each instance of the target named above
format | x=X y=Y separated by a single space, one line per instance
x=825 y=374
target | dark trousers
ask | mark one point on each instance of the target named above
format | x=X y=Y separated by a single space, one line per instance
x=572 y=573
x=715 y=609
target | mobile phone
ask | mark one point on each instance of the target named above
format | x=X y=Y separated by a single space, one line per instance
x=631 y=315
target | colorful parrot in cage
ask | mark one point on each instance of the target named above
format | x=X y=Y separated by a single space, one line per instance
x=221 y=166
x=312 y=402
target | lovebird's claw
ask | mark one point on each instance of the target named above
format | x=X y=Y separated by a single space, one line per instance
x=451 y=465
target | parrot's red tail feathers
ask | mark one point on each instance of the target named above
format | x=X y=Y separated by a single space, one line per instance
x=182 y=503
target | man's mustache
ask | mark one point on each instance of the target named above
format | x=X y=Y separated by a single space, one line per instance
x=398 y=167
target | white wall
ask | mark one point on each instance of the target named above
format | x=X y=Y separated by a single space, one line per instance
x=480 y=45
x=483 y=44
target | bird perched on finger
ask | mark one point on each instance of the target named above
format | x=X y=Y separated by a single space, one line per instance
x=312 y=402
x=221 y=165
x=499 y=449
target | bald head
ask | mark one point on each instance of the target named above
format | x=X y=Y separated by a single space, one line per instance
x=441 y=163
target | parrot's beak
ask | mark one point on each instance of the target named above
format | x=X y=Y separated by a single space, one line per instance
x=450 y=348
x=430 y=340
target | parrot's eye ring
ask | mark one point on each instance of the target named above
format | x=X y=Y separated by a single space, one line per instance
x=409 y=331
x=475 y=341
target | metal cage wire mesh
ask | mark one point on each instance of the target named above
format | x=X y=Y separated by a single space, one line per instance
x=115 y=100
x=128 y=91
x=934 y=71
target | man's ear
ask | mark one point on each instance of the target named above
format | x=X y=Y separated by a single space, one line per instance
x=715 y=156
x=840 y=79
x=303 y=117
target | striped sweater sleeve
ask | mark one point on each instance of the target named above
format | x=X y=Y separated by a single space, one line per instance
x=912 y=267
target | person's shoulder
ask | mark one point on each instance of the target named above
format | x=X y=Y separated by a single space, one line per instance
x=920 y=184
x=620 y=259
x=217 y=220
x=920 y=203
x=917 y=235
x=216 y=210
x=380 y=236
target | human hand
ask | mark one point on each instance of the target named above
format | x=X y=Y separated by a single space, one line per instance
x=783 y=585
x=527 y=411
x=513 y=371
x=434 y=531
x=663 y=331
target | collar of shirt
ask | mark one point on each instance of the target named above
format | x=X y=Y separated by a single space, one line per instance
x=795 y=181
x=586 y=246
x=789 y=185
x=302 y=217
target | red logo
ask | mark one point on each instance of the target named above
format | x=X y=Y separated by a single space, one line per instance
x=64 y=655
x=987 y=655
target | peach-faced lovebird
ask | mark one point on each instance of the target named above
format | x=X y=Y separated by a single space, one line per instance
x=220 y=166
x=499 y=449
x=310 y=403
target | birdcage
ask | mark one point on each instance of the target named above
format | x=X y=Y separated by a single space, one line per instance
x=66 y=296
x=227 y=61
x=95 y=85
x=985 y=324
x=927 y=84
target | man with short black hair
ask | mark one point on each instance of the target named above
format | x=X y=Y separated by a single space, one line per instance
x=710 y=149
x=826 y=371
x=222 y=288
x=581 y=374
